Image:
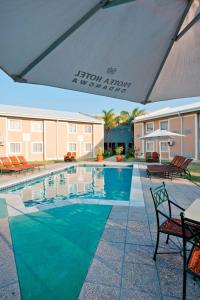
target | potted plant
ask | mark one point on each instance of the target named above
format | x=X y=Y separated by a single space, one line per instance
x=99 y=154
x=119 y=151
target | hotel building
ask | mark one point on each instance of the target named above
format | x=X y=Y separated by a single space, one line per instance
x=184 y=120
x=41 y=134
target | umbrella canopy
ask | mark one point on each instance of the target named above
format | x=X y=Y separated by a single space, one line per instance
x=127 y=49
x=159 y=133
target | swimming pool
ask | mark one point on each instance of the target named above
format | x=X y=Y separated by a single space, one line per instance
x=79 y=182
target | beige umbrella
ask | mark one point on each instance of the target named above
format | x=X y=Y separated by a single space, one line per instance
x=158 y=135
x=142 y=50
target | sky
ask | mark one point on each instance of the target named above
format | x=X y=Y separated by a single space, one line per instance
x=54 y=98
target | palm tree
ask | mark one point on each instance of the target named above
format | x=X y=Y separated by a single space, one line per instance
x=110 y=121
x=127 y=117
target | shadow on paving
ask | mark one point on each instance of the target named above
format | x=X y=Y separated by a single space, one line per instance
x=54 y=248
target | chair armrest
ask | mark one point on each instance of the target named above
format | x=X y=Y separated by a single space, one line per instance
x=181 y=208
x=167 y=217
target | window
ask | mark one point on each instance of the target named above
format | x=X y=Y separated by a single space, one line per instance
x=149 y=127
x=164 y=125
x=149 y=147
x=164 y=146
x=15 y=148
x=72 y=147
x=37 y=147
x=88 y=147
x=36 y=126
x=88 y=128
x=14 y=125
x=72 y=127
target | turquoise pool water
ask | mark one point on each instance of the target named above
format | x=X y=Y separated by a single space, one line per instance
x=81 y=182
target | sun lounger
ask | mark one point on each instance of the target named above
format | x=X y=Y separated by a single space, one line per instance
x=177 y=168
x=8 y=163
x=7 y=168
x=73 y=157
x=25 y=163
x=17 y=163
x=68 y=156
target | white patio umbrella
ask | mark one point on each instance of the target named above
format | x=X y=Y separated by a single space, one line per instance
x=160 y=135
x=137 y=50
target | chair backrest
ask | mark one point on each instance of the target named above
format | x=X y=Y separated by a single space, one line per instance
x=14 y=160
x=186 y=163
x=159 y=195
x=175 y=160
x=6 y=161
x=180 y=161
x=74 y=154
x=155 y=155
x=1 y=163
x=69 y=154
x=22 y=159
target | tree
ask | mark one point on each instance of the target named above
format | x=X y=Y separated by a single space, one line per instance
x=127 y=117
x=110 y=121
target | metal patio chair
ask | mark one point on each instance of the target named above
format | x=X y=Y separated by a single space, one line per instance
x=171 y=226
x=191 y=261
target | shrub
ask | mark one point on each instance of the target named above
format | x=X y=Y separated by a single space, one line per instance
x=108 y=153
x=119 y=150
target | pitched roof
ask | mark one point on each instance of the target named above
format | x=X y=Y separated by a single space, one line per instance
x=39 y=113
x=169 y=111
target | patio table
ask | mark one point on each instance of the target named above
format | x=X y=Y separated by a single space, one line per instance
x=193 y=211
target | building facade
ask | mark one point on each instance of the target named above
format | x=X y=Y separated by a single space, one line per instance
x=40 y=134
x=121 y=135
x=184 y=120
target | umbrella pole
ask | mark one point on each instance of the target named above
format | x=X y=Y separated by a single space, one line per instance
x=160 y=152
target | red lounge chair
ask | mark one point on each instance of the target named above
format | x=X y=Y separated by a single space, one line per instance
x=73 y=157
x=8 y=168
x=17 y=163
x=68 y=157
x=24 y=163
x=179 y=170
x=175 y=169
x=155 y=157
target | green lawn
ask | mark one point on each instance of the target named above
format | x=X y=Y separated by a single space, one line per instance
x=194 y=169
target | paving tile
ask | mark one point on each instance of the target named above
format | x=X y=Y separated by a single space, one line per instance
x=116 y=224
x=109 y=250
x=139 y=254
x=105 y=271
x=138 y=237
x=121 y=215
x=134 y=215
x=136 y=294
x=10 y=292
x=169 y=260
x=171 y=283
x=171 y=298
x=138 y=225
x=140 y=276
x=91 y=291
x=117 y=209
x=5 y=231
x=114 y=235
x=8 y=274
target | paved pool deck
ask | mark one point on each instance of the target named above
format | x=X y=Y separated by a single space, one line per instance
x=122 y=267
